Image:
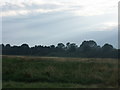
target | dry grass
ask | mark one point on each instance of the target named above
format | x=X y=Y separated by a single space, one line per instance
x=98 y=60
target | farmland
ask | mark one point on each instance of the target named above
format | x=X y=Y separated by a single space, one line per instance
x=59 y=72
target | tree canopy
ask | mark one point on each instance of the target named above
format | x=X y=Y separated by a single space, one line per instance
x=88 y=49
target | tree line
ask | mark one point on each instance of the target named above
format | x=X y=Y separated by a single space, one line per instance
x=88 y=49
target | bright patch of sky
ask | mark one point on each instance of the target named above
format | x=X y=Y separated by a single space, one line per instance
x=49 y=22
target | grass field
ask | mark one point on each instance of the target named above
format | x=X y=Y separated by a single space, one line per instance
x=56 y=72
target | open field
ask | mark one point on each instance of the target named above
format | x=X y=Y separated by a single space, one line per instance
x=58 y=72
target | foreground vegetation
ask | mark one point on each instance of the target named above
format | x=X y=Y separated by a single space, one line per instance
x=55 y=72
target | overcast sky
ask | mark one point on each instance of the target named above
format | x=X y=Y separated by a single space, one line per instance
x=46 y=22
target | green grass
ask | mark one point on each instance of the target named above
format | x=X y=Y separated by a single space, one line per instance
x=27 y=72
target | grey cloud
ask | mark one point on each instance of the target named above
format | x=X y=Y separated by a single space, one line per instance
x=54 y=27
x=10 y=6
x=10 y=9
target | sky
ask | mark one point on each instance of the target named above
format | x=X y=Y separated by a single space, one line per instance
x=47 y=22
